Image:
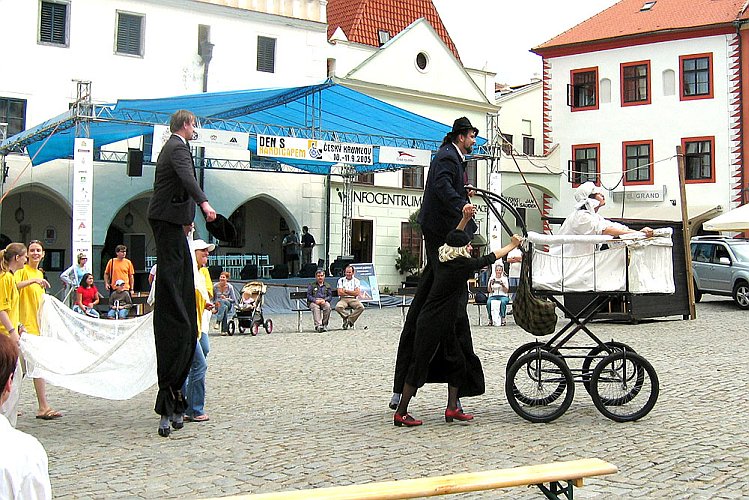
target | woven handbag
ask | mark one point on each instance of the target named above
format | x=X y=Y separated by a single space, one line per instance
x=534 y=315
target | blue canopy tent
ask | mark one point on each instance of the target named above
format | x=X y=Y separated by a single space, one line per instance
x=326 y=111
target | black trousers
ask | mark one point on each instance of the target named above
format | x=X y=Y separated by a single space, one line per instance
x=175 y=321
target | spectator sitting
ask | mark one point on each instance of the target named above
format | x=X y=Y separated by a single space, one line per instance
x=119 y=268
x=23 y=461
x=87 y=297
x=319 y=294
x=349 y=289
x=498 y=289
x=120 y=301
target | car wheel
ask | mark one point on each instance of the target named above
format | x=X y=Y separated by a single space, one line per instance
x=697 y=293
x=741 y=294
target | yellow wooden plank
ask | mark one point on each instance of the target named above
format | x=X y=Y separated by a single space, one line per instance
x=574 y=470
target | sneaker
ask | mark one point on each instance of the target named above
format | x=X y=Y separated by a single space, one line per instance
x=490 y=323
x=394 y=400
x=504 y=322
x=345 y=324
x=318 y=329
x=351 y=325
x=323 y=328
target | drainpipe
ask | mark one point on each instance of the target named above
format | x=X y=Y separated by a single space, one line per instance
x=744 y=102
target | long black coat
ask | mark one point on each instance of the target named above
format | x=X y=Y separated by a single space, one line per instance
x=443 y=349
x=445 y=194
x=175 y=189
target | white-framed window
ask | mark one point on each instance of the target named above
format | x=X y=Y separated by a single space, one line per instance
x=129 y=38
x=266 y=54
x=54 y=19
x=13 y=112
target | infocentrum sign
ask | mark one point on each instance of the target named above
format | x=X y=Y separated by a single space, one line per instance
x=314 y=150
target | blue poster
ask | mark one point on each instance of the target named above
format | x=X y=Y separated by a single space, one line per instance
x=369 y=290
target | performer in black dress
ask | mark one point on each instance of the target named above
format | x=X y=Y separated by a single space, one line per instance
x=441 y=325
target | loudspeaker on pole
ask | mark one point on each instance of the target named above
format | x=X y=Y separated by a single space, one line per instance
x=134 y=162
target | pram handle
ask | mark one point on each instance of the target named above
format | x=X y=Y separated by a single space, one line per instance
x=490 y=199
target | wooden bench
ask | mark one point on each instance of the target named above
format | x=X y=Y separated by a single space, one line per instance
x=548 y=478
x=301 y=305
x=405 y=292
x=140 y=305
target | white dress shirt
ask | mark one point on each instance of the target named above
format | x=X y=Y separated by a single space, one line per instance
x=24 y=473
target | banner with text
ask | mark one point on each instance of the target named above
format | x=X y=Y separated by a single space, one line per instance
x=202 y=137
x=405 y=156
x=83 y=186
x=314 y=150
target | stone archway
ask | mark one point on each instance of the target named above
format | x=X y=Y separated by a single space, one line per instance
x=129 y=226
x=261 y=224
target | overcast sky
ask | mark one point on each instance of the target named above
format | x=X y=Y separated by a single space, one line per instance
x=498 y=34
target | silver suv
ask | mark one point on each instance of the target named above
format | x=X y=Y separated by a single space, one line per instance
x=721 y=267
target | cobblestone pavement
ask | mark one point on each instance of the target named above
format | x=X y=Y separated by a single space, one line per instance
x=292 y=410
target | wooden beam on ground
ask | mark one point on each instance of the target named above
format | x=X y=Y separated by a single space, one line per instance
x=572 y=471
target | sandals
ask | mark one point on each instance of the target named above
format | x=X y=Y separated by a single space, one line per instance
x=50 y=414
x=198 y=418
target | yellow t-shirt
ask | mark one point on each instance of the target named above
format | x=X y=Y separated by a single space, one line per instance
x=200 y=300
x=8 y=299
x=30 y=298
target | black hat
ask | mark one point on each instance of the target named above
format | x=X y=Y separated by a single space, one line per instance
x=457 y=238
x=463 y=124
x=221 y=228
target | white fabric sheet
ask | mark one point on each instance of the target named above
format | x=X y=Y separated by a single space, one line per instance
x=111 y=359
x=601 y=271
x=650 y=268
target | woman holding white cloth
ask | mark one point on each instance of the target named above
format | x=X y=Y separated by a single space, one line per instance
x=585 y=219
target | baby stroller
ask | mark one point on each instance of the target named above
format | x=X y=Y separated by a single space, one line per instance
x=249 y=312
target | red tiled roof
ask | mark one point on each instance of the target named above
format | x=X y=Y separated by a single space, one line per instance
x=625 y=19
x=360 y=20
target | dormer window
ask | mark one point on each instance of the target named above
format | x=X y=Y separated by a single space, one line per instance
x=647 y=6
x=383 y=37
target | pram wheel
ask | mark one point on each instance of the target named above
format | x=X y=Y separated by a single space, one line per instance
x=624 y=386
x=535 y=383
x=525 y=349
x=231 y=328
x=598 y=353
x=268 y=325
x=255 y=328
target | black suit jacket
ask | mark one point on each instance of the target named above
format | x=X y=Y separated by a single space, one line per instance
x=444 y=194
x=175 y=189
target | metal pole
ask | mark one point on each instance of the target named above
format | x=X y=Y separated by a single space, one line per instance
x=348 y=208
x=686 y=231
x=327 y=224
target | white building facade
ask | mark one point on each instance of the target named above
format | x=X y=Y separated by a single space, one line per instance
x=618 y=103
x=160 y=48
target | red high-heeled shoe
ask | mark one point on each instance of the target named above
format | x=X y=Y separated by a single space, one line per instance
x=457 y=414
x=407 y=420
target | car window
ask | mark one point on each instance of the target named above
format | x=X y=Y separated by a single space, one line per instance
x=702 y=252
x=720 y=252
x=741 y=252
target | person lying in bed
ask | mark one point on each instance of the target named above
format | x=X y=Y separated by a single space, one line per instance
x=585 y=219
